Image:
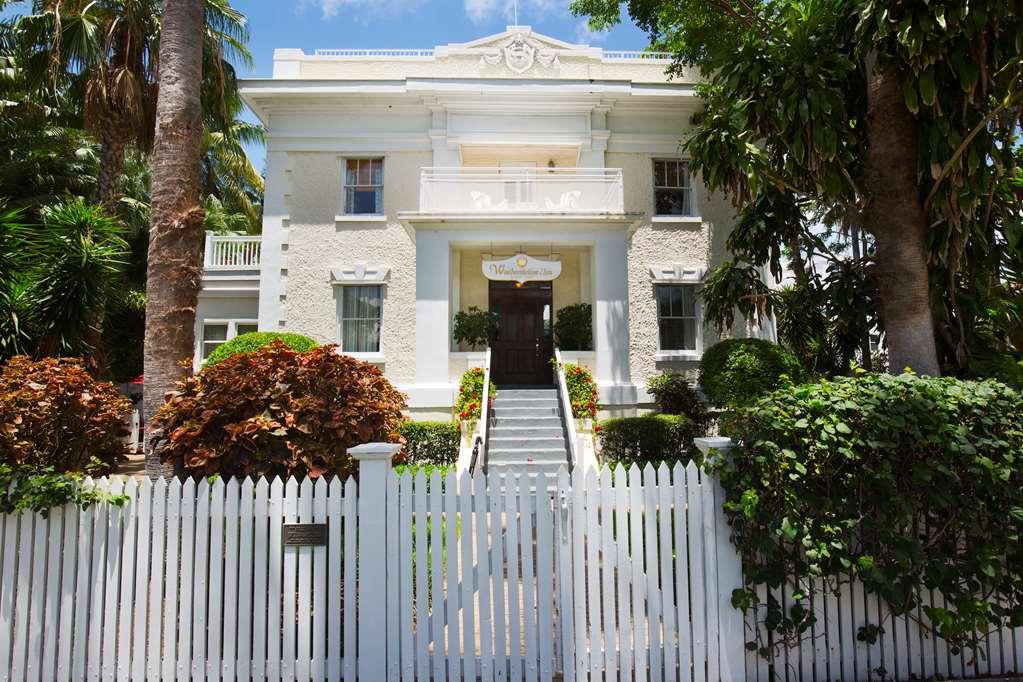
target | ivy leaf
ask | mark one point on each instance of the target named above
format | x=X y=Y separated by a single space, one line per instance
x=928 y=90
x=909 y=94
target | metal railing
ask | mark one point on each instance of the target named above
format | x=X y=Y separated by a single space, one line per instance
x=623 y=55
x=566 y=410
x=479 y=449
x=232 y=252
x=472 y=189
x=385 y=53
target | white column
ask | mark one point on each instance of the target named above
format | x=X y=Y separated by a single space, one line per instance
x=611 y=311
x=433 y=310
x=374 y=564
x=274 y=234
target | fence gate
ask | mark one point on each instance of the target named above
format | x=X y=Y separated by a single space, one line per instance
x=625 y=575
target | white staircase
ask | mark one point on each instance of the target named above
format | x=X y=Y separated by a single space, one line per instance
x=526 y=433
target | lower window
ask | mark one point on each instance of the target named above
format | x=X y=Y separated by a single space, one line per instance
x=217 y=332
x=360 y=319
x=676 y=316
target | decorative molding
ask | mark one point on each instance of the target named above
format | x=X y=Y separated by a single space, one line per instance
x=520 y=54
x=359 y=274
x=676 y=273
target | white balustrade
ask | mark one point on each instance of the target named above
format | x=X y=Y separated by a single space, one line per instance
x=232 y=252
x=469 y=189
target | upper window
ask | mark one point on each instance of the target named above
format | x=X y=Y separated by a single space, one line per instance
x=360 y=319
x=673 y=193
x=676 y=316
x=364 y=186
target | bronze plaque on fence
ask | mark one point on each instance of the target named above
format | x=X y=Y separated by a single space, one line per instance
x=305 y=534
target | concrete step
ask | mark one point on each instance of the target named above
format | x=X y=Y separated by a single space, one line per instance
x=540 y=393
x=525 y=402
x=514 y=421
x=526 y=429
x=549 y=469
x=507 y=456
x=502 y=412
x=520 y=442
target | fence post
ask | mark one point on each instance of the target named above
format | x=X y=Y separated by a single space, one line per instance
x=731 y=627
x=374 y=464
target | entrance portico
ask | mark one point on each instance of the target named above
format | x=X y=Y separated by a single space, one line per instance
x=449 y=278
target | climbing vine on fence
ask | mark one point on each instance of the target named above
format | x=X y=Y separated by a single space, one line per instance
x=39 y=489
x=906 y=484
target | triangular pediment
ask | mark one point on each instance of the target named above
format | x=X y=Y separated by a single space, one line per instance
x=501 y=40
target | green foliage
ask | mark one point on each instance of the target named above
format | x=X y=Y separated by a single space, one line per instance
x=674 y=395
x=430 y=443
x=573 y=327
x=469 y=402
x=650 y=438
x=908 y=484
x=735 y=371
x=276 y=412
x=474 y=327
x=582 y=390
x=54 y=414
x=39 y=489
x=253 y=341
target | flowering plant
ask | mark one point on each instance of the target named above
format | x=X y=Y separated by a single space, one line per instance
x=582 y=390
x=469 y=403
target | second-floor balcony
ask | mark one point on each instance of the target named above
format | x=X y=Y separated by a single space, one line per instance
x=488 y=191
x=232 y=252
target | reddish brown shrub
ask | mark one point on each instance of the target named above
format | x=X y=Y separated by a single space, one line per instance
x=55 y=414
x=276 y=412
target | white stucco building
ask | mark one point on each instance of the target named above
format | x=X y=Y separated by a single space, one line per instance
x=395 y=176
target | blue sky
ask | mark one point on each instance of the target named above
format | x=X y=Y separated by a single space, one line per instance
x=312 y=24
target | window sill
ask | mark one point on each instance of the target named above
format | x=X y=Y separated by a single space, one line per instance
x=680 y=219
x=365 y=357
x=677 y=355
x=360 y=218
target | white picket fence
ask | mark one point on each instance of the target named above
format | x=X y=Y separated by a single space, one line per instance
x=610 y=575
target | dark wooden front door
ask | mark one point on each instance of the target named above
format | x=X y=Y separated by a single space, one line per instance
x=523 y=347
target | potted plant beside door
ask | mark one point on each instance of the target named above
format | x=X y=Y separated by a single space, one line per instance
x=474 y=328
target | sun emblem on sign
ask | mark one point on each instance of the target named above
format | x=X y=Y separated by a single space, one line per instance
x=521 y=261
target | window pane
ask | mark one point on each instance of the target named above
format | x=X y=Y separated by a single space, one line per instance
x=363 y=201
x=663 y=301
x=207 y=348
x=658 y=173
x=671 y=334
x=377 y=168
x=676 y=300
x=245 y=328
x=214 y=332
x=351 y=172
x=671 y=202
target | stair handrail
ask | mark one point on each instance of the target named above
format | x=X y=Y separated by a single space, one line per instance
x=566 y=409
x=481 y=439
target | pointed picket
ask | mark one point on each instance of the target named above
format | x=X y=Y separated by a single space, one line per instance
x=168 y=658
x=68 y=583
x=274 y=584
x=335 y=573
x=624 y=563
x=452 y=597
x=246 y=613
x=233 y=570
x=351 y=500
x=51 y=616
x=421 y=592
x=592 y=567
x=200 y=579
x=97 y=603
x=128 y=566
x=496 y=573
x=663 y=520
x=563 y=569
x=652 y=565
x=210 y=664
x=304 y=566
x=526 y=504
x=512 y=563
x=318 y=664
x=186 y=600
x=8 y=589
x=436 y=536
x=604 y=501
x=406 y=607
x=289 y=572
x=145 y=555
x=544 y=579
x=267 y=564
x=483 y=572
x=465 y=545
x=394 y=564
x=682 y=577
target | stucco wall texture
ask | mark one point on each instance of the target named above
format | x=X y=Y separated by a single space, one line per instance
x=316 y=243
x=692 y=244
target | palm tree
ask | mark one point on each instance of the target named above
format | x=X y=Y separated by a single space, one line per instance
x=107 y=49
x=227 y=173
x=174 y=274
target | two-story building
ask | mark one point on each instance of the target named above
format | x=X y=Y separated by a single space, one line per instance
x=515 y=173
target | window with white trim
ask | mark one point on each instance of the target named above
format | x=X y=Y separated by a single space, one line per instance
x=219 y=332
x=677 y=323
x=673 y=191
x=363 y=187
x=359 y=318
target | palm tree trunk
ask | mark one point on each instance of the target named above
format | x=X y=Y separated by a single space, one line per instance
x=174 y=273
x=113 y=143
x=895 y=215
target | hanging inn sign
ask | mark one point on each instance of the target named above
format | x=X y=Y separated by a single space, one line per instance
x=521 y=268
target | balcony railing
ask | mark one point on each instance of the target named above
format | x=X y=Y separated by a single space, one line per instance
x=232 y=252
x=469 y=189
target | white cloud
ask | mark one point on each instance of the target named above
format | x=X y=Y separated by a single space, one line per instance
x=486 y=11
x=361 y=9
x=587 y=36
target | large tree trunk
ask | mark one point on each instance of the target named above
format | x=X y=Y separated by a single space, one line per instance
x=113 y=143
x=895 y=216
x=174 y=273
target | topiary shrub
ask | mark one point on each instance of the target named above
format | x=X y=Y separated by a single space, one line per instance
x=469 y=402
x=55 y=415
x=276 y=412
x=673 y=395
x=573 y=327
x=735 y=371
x=253 y=341
x=650 y=438
x=430 y=443
x=909 y=484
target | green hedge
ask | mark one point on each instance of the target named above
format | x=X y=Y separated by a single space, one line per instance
x=430 y=443
x=910 y=484
x=650 y=438
x=736 y=371
x=250 y=343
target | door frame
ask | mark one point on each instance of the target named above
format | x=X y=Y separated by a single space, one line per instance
x=543 y=293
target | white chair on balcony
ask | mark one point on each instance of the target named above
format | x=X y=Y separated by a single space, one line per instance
x=568 y=201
